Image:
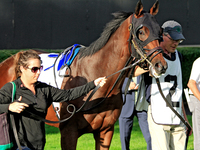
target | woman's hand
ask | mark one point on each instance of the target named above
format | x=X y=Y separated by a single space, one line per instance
x=17 y=107
x=101 y=81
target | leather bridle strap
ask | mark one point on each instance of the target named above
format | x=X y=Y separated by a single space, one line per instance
x=121 y=74
x=143 y=56
x=90 y=96
x=128 y=84
x=151 y=51
x=170 y=106
x=48 y=121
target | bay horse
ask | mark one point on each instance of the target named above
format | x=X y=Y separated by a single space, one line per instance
x=105 y=56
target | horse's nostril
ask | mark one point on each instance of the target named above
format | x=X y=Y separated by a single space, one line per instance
x=158 y=65
x=160 y=68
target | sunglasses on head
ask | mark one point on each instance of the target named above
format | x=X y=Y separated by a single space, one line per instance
x=35 y=69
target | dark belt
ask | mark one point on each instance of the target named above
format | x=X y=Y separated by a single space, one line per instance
x=130 y=91
x=175 y=104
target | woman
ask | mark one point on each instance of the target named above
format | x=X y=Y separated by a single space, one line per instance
x=35 y=97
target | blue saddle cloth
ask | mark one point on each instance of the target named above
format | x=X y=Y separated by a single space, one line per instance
x=67 y=56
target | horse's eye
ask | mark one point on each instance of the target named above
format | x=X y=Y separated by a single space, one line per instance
x=141 y=32
x=141 y=35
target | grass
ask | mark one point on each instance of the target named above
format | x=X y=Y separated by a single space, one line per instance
x=86 y=142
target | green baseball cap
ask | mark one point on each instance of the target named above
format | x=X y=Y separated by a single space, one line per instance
x=174 y=29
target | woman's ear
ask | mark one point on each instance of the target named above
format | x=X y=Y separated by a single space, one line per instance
x=21 y=68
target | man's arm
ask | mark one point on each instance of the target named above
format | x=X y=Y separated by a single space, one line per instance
x=193 y=87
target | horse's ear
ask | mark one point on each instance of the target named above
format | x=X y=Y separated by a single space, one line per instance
x=154 y=9
x=138 y=9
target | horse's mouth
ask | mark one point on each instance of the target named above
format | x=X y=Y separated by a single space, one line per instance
x=157 y=70
x=153 y=72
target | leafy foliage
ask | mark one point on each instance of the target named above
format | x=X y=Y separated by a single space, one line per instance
x=190 y=54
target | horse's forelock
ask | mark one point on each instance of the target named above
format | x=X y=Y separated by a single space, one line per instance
x=109 y=29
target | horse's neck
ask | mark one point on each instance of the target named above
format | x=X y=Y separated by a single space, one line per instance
x=121 y=49
x=7 y=71
x=108 y=60
x=111 y=58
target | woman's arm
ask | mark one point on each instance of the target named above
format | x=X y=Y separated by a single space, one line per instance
x=74 y=93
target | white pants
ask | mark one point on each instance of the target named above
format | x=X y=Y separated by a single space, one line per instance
x=166 y=137
x=195 y=109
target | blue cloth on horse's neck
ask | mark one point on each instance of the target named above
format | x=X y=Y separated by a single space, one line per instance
x=67 y=57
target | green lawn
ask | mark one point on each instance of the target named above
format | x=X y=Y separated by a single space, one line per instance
x=86 y=142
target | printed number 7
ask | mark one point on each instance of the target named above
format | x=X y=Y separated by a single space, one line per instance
x=169 y=78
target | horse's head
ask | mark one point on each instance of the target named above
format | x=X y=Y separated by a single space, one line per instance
x=146 y=35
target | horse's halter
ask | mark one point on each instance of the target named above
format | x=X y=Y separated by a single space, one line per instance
x=150 y=22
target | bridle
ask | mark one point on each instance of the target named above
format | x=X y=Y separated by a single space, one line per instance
x=136 y=45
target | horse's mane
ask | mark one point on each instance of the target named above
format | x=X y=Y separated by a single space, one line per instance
x=109 y=29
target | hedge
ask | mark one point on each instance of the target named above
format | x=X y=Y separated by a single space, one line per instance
x=190 y=54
